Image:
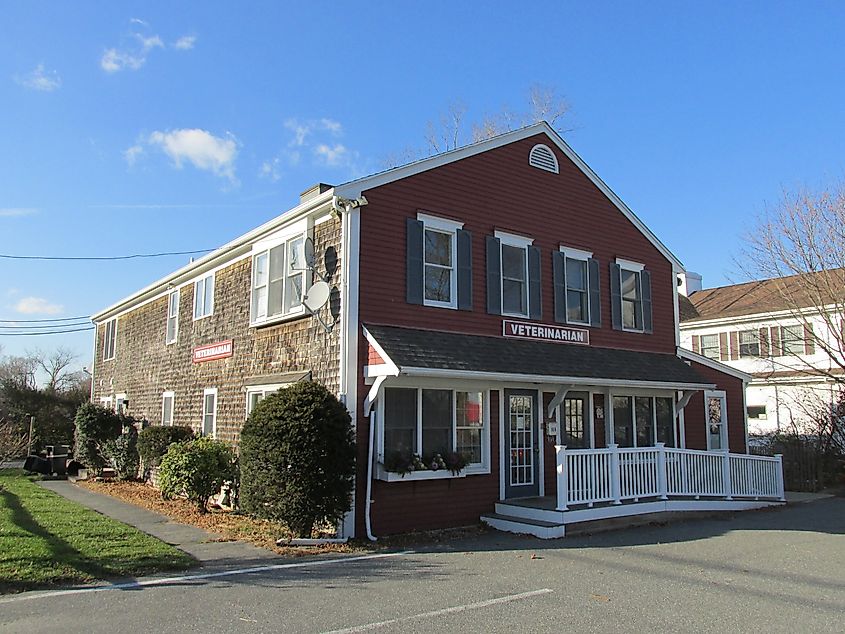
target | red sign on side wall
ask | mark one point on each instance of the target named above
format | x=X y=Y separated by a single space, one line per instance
x=212 y=351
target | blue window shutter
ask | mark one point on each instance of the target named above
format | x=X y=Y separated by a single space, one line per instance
x=595 y=291
x=464 y=239
x=645 y=283
x=616 y=296
x=414 y=254
x=559 y=275
x=494 y=276
x=535 y=287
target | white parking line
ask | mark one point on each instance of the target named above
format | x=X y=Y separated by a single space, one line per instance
x=160 y=581
x=457 y=608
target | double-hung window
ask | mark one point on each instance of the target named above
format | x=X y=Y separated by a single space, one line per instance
x=257 y=393
x=167 y=403
x=109 y=339
x=172 y=329
x=631 y=296
x=514 y=286
x=204 y=296
x=749 y=343
x=209 y=412
x=792 y=339
x=278 y=279
x=425 y=422
x=440 y=274
x=640 y=421
x=710 y=346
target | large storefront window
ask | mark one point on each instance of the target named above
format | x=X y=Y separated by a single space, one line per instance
x=640 y=421
x=426 y=422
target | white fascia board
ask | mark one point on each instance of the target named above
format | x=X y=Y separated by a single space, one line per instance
x=548 y=379
x=354 y=189
x=715 y=365
x=575 y=254
x=762 y=317
x=217 y=258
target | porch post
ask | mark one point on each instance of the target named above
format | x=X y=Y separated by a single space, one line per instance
x=726 y=475
x=662 y=479
x=779 y=477
x=562 y=478
x=615 y=476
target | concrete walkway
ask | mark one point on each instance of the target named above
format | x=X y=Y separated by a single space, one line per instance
x=195 y=541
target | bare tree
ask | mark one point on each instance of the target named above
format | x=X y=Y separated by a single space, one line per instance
x=19 y=371
x=56 y=366
x=799 y=243
x=13 y=442
x=447 y=135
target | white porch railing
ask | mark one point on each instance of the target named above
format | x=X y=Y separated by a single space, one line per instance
x=590 y=476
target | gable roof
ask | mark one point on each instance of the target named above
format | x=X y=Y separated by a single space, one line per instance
x=354 y=189
x=765 y=296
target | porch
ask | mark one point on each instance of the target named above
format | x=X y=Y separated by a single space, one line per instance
x=594 y=484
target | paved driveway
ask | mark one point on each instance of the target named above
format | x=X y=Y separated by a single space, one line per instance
x=778 y=570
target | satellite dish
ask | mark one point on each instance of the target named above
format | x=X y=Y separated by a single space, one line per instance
x=308 y=251
x=316 y=296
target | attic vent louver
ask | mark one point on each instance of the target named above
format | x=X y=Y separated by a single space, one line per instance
x=543 y=158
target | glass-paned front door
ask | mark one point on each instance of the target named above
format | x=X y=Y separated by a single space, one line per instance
x=522 y=477
x=716 y=421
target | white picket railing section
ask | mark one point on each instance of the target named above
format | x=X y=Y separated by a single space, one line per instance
x=590 y=476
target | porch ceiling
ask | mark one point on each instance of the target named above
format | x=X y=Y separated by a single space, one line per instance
x=429 y=352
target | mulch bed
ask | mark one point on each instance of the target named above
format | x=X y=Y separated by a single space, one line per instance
x=228 y=525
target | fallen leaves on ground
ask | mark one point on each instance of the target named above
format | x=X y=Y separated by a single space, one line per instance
x=228 y=526
x=601 y=598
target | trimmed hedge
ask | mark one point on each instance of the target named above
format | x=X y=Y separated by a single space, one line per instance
x=298 y=458
x=153 y=442
x=94 y=426
x=197 y=469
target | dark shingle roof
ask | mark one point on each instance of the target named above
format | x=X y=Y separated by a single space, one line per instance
x=411 y=348
x=766 y=296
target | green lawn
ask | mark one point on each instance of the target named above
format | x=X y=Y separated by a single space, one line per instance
x=46 y=539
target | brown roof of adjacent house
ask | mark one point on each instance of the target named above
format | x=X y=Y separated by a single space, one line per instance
x=765 y=296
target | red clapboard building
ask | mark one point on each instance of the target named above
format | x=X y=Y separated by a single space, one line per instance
x=504 y=332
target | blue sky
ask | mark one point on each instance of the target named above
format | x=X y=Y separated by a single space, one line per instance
x=148 y=127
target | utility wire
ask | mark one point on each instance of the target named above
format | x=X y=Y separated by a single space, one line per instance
x=38 y=321
x=49 y=332
x=102 y=257
x=47 y=326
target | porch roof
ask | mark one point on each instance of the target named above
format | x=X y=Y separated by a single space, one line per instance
x=438 y=353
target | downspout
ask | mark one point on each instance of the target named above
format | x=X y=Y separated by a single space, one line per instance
x=367 y=521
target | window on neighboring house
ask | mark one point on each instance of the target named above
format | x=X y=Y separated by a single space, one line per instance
x=106 y=401
x=257 y=393
x=792 y=339
x=204 y=297
x=209 y=412
x=121 y=403
x=172 y=330
x=757 y=412
x=749 y=343
x=631 y=296
x=640 y=421
x=430 y=421
x=278 y=280
x=167 y=403
x=710 y=346
x=109 y=339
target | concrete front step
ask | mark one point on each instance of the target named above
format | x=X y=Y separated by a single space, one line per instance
x=524 y=526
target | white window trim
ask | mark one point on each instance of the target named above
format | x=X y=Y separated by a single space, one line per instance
x=262 y=389
x=203 y=280
x=519 y=242
x=584 y=256
x=206 y=392
x=477 y=469
x=633 y=267
x=175 y=317
x=113 y=340
x=297 y=230
x=450 y=227
x=118 y=399
x=610 y=429
x=107 y=402
x=172 y=397
x=723 y=432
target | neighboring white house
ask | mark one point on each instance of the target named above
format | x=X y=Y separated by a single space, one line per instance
x=789 y=347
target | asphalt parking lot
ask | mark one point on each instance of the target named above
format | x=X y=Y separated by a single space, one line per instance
x=776 y=570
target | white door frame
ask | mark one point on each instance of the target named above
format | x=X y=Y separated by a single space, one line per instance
x=723 y=436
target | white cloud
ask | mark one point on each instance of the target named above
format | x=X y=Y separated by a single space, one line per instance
x=131 y=154
x=37 y=306
x=138 y=21
x=131 y=57
x=270 y=169
x=15 y=212
x=332 y=156
x=303 y=129
x=185 y=43
x=41 y=79
x=200 y=148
